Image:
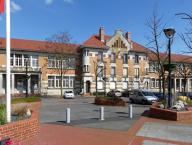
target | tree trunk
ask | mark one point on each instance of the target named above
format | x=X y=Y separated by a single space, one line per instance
x=184 y=86
x=96 y=86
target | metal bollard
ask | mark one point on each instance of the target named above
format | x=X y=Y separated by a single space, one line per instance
x=102 y=113
x=68 y=115
x=130 y=111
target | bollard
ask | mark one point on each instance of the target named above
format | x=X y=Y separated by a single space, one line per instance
x=68 y=115
x=102 y=113
x=130 y=111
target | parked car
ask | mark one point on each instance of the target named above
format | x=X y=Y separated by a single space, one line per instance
x=159 y=95
x=69 y=94
x=142 y=96
x=114 y=93
x=189 y=94
x=125 y=93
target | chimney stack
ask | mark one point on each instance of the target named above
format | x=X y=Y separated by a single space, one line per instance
x=102 y=34
x=128 y=36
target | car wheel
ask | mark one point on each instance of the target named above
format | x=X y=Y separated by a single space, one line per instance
x=143 y=102
x=131 y=100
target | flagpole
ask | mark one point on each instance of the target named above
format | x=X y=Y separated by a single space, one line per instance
x=8 y=70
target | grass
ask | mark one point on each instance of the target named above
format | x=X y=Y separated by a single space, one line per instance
x=2 y=114
x=26 y=100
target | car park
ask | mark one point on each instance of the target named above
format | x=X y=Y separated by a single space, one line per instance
x=69 y=94
x=142 y=96
x=114 y=93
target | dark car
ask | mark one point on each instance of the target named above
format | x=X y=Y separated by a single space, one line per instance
x=125 y=93
x=114 y=93
x=189 y=94
x=159 y=95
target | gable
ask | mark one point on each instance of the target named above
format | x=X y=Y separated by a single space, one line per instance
x=118 y=41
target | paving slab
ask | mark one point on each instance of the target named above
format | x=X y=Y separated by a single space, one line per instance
x=149 y=142
x=167 y=131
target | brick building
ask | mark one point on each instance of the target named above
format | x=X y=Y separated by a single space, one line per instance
x=116 y=60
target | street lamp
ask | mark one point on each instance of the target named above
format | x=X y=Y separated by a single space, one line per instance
x=169 y=33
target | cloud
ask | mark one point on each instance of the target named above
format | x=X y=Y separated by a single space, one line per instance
x=69 y=1
x=48 y=2
x=15 y=7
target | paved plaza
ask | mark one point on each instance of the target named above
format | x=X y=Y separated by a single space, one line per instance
x=85 y=114
x=168 y=131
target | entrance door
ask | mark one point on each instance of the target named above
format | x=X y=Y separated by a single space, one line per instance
x=88 y=85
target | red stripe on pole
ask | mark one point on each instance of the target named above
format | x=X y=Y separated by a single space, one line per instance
x=1 y=6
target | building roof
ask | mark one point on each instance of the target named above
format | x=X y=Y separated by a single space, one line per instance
x=95 y=42
x=177 y=58
x=39 y=46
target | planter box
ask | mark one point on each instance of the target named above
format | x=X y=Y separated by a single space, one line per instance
x=23 y=129
x=167 y=114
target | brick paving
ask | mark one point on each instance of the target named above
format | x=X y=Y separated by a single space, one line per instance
x=55 y=134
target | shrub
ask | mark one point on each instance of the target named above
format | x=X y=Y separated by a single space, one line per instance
x=99 y=93
x=109 y=101
x=2 y=114
x=20 y=110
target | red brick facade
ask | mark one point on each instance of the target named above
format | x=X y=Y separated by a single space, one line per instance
x=24 y=129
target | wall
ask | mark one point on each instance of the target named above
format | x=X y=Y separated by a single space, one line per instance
x=24 y=129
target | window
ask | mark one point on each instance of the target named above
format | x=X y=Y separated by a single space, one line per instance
x=157 y=83
x=136 y=72
x=72 y=63
x=18 y=60
x=34 y=61
x=125 y=72
x=12 y=60
x=125 y=58
x=146 y=71
x=71 y=82
x=100 y=56
x=136 y=59
x=153 y=83
x=86 y=53
x=51 y=80
x=27 y=60
x=58 y=81
x=65 y=82
x=85 y=68
x=51 y=62
x=100 y=71
x=113 y=58
x=113 y=72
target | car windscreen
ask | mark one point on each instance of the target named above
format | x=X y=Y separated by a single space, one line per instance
x=147 y=93
x=68 y=92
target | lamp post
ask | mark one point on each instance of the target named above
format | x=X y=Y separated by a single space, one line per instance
x=169 y=33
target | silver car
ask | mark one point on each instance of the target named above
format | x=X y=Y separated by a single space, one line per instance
x=142 y=96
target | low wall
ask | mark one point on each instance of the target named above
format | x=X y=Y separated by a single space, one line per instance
x=24 y=129
x=166 y=114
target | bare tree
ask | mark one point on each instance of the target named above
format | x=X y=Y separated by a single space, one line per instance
x=187 y=35
x=98 y=72
x=62 y=61
x=155 y=26
x=184 y=70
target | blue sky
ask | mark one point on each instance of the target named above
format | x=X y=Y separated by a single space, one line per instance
x=39 y=19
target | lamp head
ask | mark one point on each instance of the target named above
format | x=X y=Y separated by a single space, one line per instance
x=169 y=32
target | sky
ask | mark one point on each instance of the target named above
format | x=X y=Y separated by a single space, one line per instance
x=39 y=19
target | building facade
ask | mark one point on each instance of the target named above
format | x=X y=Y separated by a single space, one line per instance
x=108 y=62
